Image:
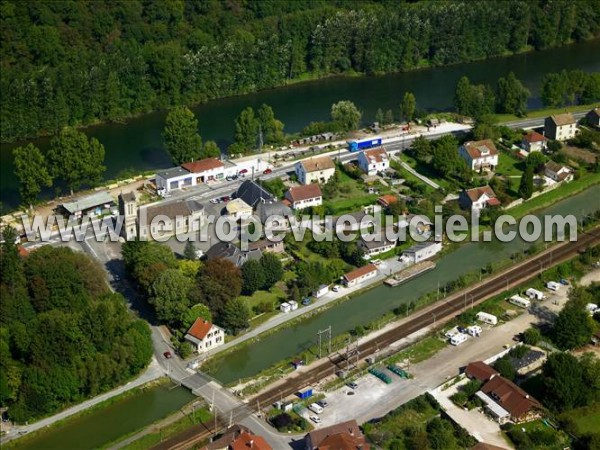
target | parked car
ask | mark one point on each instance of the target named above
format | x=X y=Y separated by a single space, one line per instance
x=461 y=329
x=167 y=355
x=306 y=301
x=214 y=201
x=243 y=172
x=564 y=282
x=335 y=288
x=225 y=198
x=353 y=385
x=315 y=419
x=267 y=171
x=350 y=393
x=322 y=403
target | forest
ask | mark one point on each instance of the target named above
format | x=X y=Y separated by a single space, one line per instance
x=75 y=63
x=64 y=336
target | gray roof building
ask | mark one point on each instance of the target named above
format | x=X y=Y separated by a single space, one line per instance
x=252 y=193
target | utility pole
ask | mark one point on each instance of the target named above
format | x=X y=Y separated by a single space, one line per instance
x=433 y=314
x=319 y=333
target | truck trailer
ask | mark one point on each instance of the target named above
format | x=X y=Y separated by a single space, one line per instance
x=363 y=144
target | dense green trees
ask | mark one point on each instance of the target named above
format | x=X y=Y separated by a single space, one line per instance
x=572 y=327
x=473 y=100
x=32 y=172
x=570 y=87
x=526 y=183
x=446 y=159
x=262 y=273
x=251 y=127
x=511 y=95
x=408 y=106
x=181 y=137
x=345 y=115
x=63 y=336
x=70 y=63
x=76 y=159
x=235 y=316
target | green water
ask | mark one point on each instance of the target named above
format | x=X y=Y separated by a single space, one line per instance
x=372 y=304
x=138 y=143
x=105 y=425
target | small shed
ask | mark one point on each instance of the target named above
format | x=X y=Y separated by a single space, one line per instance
x=321 y=291
x=293 y=305
x=285 y=307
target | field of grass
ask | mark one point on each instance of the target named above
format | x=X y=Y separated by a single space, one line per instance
x=544 y=112
x=420 y=351
x=509 y=165
x=587 y=419
x=350 y=196
x=425 y=170
x=272 y=296
x=150 y=440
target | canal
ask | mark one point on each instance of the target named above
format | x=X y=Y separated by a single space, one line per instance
x=105 y=425
x=137 y=145
x=372 y=304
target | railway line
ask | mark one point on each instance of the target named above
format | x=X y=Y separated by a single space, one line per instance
x=439 y=313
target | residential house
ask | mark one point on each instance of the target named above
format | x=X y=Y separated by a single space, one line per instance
x=486 y=446
x=232 y=253
x=172 y=179
x=507 y=402
x=166 y=219
x=304 y=196
x=479 y=155
x=275 y=213
x=238 y=437
x=478 y=198
x=480 y=371
x=375 y=246
x=422 y=251
x=341 y=436
x=238 y=209
x=359 y=275
x=374 y=161
x=560 y=127
x=267 y=246
x=204 y=335
x=387 y=200
x=558 y=172
x=592 y=118
x=90 y=205
x=534 y=142
x=315 y=170
x=205 y=170
x=253 y=193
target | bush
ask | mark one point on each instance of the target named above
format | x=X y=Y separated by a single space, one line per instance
x=506 y=369
x=532 y=336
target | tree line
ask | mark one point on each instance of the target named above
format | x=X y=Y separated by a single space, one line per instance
x=64 y=336
x=73 y=63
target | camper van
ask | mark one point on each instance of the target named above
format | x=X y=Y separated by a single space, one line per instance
x=534 y=294
x=458 y=339
x=315 y=408
x=519 y=301
x=474 y=330
x=553 y=285
x=487 y=318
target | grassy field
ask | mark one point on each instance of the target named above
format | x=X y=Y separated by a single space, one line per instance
x=544 y=112
x=509 y=165
x=350 y=196
x=587 y=419
x=426 y=170
x=150 y=440
x=420 y=351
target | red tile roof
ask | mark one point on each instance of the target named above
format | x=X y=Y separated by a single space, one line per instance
x=357 y=273
x=376 y=155
x=249 y=441
x=305 y=192
x=480 y=371
x=200 y=328
x=476 y=193
x=534 y=136
x=387 y=200
x=510 y=396
x=341 y=436
x=202 y=165
x=476 y=148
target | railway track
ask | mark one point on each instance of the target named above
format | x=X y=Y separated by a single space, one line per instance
x=439 y=314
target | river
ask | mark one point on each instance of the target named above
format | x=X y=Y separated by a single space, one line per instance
x=372 y=304
x=137 y=144
x=105 y=425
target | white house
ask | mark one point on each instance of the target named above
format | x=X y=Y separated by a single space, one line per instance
x=359 y=275
x=534 y=142
x=479 y=155
x=205 y=170
x=422 y=251
x=315 y=170
x=204 y=335
x=375 y=246
x=558 y=172
x=174 y=178
x=373 y=161
x=560 y=127
x=238 y=209
x=304 y=196
x=478 y=198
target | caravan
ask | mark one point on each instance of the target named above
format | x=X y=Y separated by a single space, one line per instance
x=474 y=330
x=519 y=301
x=534 y=294
x=487 y=318
x=553 y=285
x=458 y=339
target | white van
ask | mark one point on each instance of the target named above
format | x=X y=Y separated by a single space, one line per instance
x=315 y=408
x=474 y=330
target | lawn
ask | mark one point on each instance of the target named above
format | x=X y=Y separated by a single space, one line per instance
x=273 y=296
x=420 y=351
x=351 y=195
x=544 y=112
x=509 y=165
x=427 y=171
x=587 y=419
